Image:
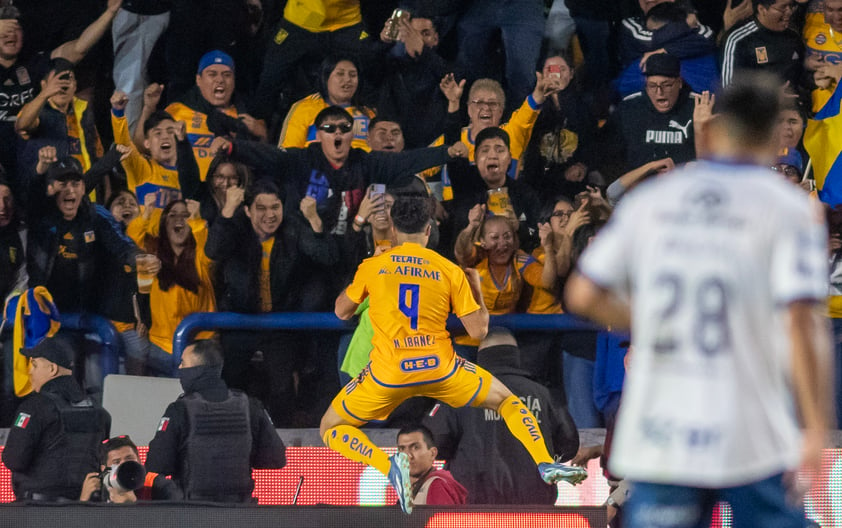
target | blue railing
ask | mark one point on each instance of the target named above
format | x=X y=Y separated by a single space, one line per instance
x=197 y=322
x=102 y=327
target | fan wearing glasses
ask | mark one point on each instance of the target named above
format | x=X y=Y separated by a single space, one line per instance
x=655 y=124
x=333 y=172
x=486 y=102
x=765 y=43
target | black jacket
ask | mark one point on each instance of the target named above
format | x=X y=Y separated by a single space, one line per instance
x=410 y=93
x=297 y=251
x=12 y=258
x=750 y=46
x=544 y=170
x=96 y=239
x=338 y=192
x=469 y=189
x=483 y=455
x=637 y=133
x=168 y=447
x=37 y=433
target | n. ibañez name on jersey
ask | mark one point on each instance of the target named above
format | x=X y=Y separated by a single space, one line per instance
x=415 y=341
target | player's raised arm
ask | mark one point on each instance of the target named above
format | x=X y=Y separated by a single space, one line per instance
x=476 y=323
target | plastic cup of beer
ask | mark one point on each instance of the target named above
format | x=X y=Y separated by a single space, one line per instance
x=144 y=263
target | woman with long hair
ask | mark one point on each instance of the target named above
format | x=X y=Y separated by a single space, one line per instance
x=223 y=172
x=183 y=284
x=339 y=85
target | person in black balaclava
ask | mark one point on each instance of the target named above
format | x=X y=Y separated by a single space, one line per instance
x=212 y=431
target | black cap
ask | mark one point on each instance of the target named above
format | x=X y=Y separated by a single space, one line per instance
x=52 y=349
x=662 y=64
x=492 y=132
x=9 y=12
x=65 y=169
x=60 y=65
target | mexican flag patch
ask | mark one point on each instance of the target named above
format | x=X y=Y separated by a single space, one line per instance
x=22 y=420
x=162 y=426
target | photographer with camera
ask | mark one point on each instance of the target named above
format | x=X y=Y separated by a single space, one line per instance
x=123 y=479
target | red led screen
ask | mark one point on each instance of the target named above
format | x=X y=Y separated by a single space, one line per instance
x=331 y=479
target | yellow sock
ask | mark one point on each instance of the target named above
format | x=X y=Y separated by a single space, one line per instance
x=523 y=425
x=352 y=443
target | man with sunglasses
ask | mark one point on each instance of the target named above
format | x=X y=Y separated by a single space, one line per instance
x=333 y=172
x=654 y=124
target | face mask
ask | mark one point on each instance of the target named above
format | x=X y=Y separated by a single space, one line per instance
x=192 y=376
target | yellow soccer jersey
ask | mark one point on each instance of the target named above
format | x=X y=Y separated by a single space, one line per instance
x=503 y=297
x=543 y=301
x=198 y=132
x=519 y=129
x=821 y=40
x=143 y=175
x=318 y=16
x=171 y=306
x=299 y=129
x=411 y=292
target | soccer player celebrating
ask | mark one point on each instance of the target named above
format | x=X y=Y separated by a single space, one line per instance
x=411 y=290
x=720 y=270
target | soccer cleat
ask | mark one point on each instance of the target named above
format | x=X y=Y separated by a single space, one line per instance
x=399 y=479
x=553 y=473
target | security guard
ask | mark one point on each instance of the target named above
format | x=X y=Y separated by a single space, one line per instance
x=54 y=441
x=211 y=436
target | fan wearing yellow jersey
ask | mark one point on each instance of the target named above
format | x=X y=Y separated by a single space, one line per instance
x=411 y=292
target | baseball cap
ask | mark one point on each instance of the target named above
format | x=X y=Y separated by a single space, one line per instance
x=52 y=349
x=9 y=12
x=215 y=57
x=662 y=64
x=65 y=169
x=791 y=157
x=60 y=65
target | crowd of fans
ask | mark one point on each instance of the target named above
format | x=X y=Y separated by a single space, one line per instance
x=253 y=148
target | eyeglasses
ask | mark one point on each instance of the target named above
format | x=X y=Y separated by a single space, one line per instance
x=561 y=214
x=332 y=127
x=226 y=177
x=493 y=105
x=788 y=8
x=787 y=170
x=661 y=87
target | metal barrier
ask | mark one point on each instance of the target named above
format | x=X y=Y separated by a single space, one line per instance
x=197 y=322
x=112 y=345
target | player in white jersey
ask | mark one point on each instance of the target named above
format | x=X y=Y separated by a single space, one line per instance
x=719 y=269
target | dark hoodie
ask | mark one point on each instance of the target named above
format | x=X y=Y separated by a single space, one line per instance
x=642 y=134
x=481 y=452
